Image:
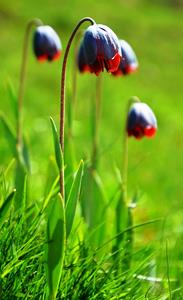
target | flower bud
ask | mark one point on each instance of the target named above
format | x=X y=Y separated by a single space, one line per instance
x=99 y=50
x=46 y=44
x=129 y=62
x=141 y=121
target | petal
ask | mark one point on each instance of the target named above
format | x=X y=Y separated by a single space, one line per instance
x=111 y=44
x=90 y=43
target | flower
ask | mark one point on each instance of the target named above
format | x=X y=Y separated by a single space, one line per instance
x=129 y=62
x=46 y=43
x=141 y=121
x=99 y=49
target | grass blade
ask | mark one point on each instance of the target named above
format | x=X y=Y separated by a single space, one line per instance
x=93 y=200
x=58 y=151
x=56 y=245
x=9 y=133
x=13 y=98
x=4 y=210
x=73 y=199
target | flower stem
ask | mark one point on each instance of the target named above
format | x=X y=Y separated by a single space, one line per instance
x=97 y=110
x=23 y=69
x=62 y=96
x=124 y=172
x=125 y=167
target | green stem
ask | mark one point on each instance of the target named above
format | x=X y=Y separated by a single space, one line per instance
x=122 y=209
x=23 y=69
x=62 y=96
x=124 y=171
x=97 y=111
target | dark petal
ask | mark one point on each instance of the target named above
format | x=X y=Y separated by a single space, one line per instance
x=81 y=61
x=110 y=42
x=90 y=40
x=97 y=66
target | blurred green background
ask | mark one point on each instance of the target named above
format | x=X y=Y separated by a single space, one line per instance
x=155 y=30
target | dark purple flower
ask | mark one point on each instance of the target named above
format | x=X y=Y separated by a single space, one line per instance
x=141 y=121
x=99 y=49
x=129 y=62
x=46 y=44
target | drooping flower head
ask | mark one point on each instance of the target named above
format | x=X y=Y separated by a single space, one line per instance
x=141 y=121
x=99 y=50
x=46 y=43
x=129 y=62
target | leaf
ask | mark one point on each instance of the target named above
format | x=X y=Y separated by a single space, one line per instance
x=128 y=241
x=93 y=203
x=25 y=155
x=9 y=133
x=13 y=98
x=73 y=199
x=4 y=210
x=55 y=246
x=24 y=196
x=57 y=146
x=121 y=217
x=20 y=174
x=50 y=194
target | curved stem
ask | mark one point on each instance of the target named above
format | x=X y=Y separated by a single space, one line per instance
x=34 y=22
x=62 y=96
x=97 y=111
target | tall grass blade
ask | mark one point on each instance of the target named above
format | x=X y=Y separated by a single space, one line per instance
x=55 y=245
x=9 y=133
x=93 y=203
x=5 y=208
x=13 y=98
x=58 y=151
x=73 y=198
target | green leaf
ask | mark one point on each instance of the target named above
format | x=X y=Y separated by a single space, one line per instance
x=24 y=196
x=13 y=98
x=20 y=174
x=121 y=218
x=73 y=199
x=25 y=155
x=9 y=133
x=50 y=193
x=93 y=203
x=57 y=146
x=55 y=246
x=4 y=210
x=128 y=241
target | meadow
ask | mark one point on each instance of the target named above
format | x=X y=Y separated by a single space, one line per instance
x=149 y=263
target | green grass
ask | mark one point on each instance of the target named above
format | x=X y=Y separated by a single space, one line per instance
x=155 y=166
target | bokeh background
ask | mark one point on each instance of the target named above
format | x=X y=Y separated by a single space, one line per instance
x=155 y=30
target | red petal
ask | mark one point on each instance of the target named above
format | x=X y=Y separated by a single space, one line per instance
x=42 y=58
x=149 y=131
x=57 y=55
x=113 y=64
